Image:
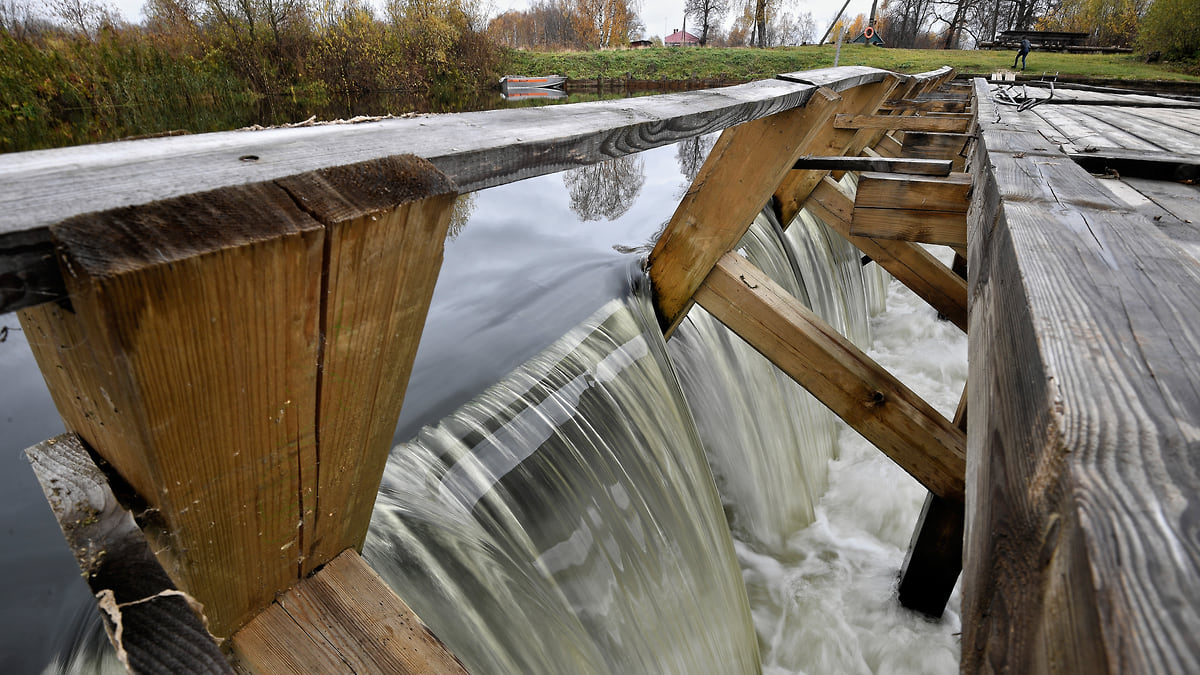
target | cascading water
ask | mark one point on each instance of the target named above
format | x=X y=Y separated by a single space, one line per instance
x=566 y=519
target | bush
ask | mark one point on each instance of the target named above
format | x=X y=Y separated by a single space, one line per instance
x=1169 y=27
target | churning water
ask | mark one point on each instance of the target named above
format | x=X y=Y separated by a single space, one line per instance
x=574 y=495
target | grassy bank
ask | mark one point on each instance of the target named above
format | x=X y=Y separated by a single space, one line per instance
x=753 y=64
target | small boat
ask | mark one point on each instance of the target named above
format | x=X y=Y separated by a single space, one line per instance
x=525 y=82
x=518 y=93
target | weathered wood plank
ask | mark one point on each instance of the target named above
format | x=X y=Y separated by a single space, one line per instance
x=476 y=150
x=737 y=180
x=928 y=105
x=1082 y=550
x=341 y=619
x=888 y=146
x=903 y=123
x=841 y=376
x=924 y=193
x=188 y=364
x=1155 y=165
x=796 y=186
x=840 y=79
x=152 y=626
x=909 y=263
x=935 y=146
x=907 y=165
x=926 y=227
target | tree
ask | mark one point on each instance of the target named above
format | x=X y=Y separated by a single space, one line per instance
x=1110 y=22
x=707 y=13
x=604 y=24
x=84 y=16
x=1168 y=27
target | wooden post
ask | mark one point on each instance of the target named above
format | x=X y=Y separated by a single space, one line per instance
x=837 y=373
x=912 y=265
x=934 y=559
x=903 y=123
x=236 y=361
x=737 y=179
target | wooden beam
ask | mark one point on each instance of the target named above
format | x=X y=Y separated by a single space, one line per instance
x=911 y=166
x=1082 y=552
x=902 y=123
x=341 y=619
x=888 y=146
x=795 y=187
x=152 y=626
x=912 y=208
x=737 y=179
x=936 y=146
x=476 y=150
x=956 y=105
x=837 y=373
x=909 y=263
x=926 y=227
x=241 y=364
x=919 y=193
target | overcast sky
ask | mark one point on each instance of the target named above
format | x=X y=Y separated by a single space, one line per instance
x=660 y=16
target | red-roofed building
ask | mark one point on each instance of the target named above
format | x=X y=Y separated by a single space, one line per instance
x=681 y=38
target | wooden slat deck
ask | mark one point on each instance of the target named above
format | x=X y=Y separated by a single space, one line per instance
x=1083 y=552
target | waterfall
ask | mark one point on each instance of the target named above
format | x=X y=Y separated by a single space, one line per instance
x=565 y=520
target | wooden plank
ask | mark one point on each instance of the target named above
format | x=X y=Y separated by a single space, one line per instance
x=922 y=193
x=926 y=227
x=837 y=373
x=1081 y=551
x=341 y=619
x=199 y=392
x=888 y=146
x=907 y=165
x=909 y=263
x=840 y=79
x=903 y=123
x=738 y=176
x=152 y=625
x=476 y=150
x=955 y=105
x=385 y=226
x=796 y=186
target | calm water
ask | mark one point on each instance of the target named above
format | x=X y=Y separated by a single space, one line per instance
x=818 y=553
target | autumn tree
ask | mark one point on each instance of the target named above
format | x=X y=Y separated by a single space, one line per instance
x=1168 y=28
x=604 y=24
x=1110 y=22
x=85 y=17
x=707 y=13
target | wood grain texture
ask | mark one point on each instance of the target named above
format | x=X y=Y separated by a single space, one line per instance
x=867 y=397
x=795 y=187
x=912 y=265
x=151 y=625
x=385 y=226
x=1083 y=551
x=341 y=619
x=902 y=123
x=936 y=146
x=187 y=362
x=923 y=193
x=926 y=227
x=734 y=184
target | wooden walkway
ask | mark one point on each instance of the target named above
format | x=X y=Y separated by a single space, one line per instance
x=1083 y=552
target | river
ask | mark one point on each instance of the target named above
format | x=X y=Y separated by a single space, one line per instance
x=569 y=493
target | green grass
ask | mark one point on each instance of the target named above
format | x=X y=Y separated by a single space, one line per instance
x=752 y=64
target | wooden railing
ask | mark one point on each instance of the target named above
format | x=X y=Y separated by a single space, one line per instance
x=228 y=321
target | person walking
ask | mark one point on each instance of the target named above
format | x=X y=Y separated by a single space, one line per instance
x=1021 y=53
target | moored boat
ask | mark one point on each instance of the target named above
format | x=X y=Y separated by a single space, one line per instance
x=532 y=82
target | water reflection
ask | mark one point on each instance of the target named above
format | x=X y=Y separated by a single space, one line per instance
x=605 y=190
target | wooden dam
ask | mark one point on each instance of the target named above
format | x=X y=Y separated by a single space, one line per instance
x=225 y=446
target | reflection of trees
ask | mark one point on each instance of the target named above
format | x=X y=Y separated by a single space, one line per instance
x=690 y=153
x=605 y=190
x=461 y=212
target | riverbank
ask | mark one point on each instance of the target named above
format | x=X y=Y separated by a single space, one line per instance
x=732 y=65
